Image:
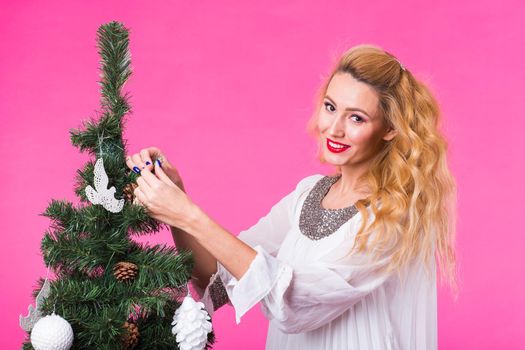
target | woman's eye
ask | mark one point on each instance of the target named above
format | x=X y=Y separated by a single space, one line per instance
x=359 y=119
x=327 y=105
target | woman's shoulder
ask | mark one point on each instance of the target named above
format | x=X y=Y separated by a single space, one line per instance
x=310 y=179
x=308 y=182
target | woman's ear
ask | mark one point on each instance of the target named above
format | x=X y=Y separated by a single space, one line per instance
x=390 y=134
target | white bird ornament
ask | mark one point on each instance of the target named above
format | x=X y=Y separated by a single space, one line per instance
x=35 y=313
x=103 y=195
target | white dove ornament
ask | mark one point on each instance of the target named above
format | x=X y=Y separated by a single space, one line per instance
x=101 y=194
x=35 y=313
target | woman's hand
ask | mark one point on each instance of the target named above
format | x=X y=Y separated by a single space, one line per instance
x=147 y=158
x=163 y=200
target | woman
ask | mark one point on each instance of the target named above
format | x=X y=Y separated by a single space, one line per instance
x=344 y=261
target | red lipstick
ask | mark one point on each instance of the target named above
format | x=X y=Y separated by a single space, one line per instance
x=336 y=147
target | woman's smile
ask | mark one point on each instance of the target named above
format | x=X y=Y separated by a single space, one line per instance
x=336 y=147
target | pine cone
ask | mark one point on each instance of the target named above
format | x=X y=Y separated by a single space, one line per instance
x=130 y=339
x=128 y=191
x=125 y=271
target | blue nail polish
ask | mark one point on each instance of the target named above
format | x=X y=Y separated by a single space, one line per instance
x=136 y=169
x=148 y=163
x=159 y=164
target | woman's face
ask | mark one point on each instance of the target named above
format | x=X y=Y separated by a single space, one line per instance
x=350 y=116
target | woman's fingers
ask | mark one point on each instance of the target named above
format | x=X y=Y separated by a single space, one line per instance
x=145 y=181
x=131 y=164
x=136 y=163
x=148 y=158
x=139 y=197
x=157 y=154
x=151 y=154
x=162 y=175
x=145 y=155
x=145 y=159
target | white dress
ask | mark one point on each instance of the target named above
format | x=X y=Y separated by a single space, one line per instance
x=316 y=296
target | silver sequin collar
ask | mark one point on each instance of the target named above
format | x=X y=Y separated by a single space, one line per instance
x=317 y=222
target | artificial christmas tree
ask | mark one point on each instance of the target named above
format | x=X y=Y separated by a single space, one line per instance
x=113 y=292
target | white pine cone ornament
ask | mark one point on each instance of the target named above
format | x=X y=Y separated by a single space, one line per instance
x=191 y=324
x=52 y=333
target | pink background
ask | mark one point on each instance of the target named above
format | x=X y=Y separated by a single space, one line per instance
x=225 y=89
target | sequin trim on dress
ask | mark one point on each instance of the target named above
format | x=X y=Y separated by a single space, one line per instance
x=218 y=294
x=317 y=222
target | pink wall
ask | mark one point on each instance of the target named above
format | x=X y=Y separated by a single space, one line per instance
x=226 y=90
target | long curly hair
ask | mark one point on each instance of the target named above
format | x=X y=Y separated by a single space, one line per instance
x=413 y=193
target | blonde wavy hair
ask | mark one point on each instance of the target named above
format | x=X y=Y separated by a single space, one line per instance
x=413 y=193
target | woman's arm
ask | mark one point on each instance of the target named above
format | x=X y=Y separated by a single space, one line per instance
x=205 y=263
x=268 y=232
x=214 y=243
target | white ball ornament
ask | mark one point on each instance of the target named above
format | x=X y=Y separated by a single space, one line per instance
x=52 y=333
x=191 y=325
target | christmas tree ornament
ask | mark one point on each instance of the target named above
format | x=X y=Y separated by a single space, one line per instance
x=52 y=333
x=191 y=324
x=35 y=314
x=101 y=194
x=125 y=271
x=129 y=191
x=130 y=339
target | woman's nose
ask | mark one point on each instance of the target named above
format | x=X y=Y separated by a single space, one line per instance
x=337 y=127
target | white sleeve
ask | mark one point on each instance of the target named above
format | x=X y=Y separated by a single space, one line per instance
x=303 y=298
x=268 y=233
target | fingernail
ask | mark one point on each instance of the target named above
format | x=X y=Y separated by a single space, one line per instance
x=148 y=162
x=136 y=169
x=159 y=164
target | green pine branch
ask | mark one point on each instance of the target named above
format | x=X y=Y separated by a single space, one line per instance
x=162 y=266
x=104 y=136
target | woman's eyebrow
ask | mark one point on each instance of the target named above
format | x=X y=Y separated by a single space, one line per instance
x=350 y=108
